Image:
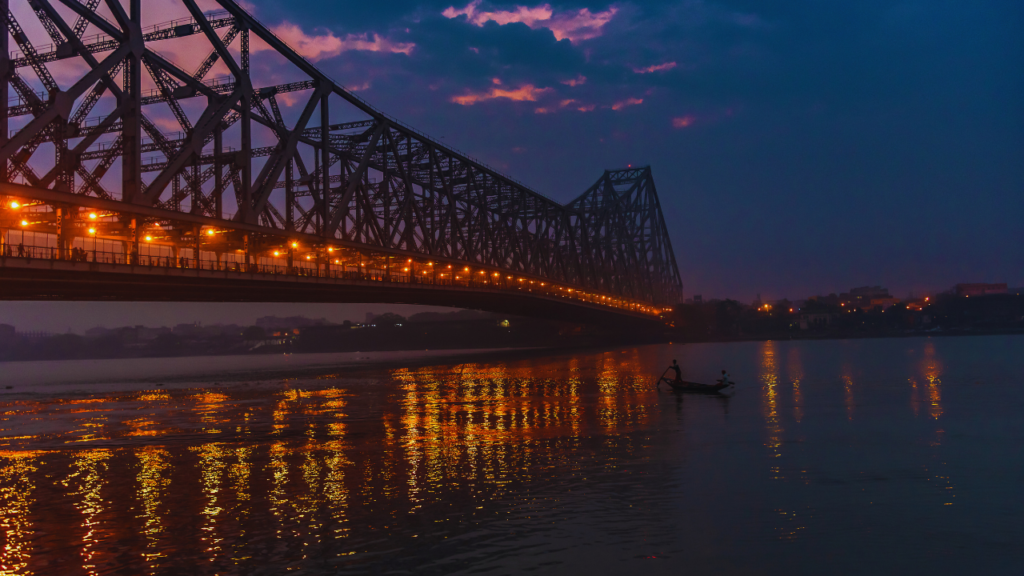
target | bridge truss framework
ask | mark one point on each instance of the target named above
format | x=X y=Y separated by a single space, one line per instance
x=300 y=177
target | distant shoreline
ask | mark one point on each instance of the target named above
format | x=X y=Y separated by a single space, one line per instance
x=859 y=336
x=404 y=354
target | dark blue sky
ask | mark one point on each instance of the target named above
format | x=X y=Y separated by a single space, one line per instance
x=799 y=147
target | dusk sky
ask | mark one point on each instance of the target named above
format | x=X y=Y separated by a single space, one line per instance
x=799 y=147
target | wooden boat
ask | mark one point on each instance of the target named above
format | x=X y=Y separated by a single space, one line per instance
x=696 y=387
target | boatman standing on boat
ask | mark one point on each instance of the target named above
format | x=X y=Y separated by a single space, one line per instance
x=675 y=368
x=725 y=378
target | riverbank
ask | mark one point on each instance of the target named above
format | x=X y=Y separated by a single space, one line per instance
x=103 y=376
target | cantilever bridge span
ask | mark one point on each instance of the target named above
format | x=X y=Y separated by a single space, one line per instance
x=134 y=175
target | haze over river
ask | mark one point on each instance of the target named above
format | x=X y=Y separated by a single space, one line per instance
x=833 y=457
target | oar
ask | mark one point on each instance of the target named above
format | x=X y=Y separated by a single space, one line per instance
x=658 y=384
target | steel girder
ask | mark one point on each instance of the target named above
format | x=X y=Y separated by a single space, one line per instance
x=336 y=168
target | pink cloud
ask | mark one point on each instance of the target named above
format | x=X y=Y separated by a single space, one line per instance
x=577 y=81
x=528 y=16
x=165 y=124
x=683 y=121
x=627 y=102
x=319 y=47
x=655 y=68
x=587 y=108
x=525 y=93
x=575 y=26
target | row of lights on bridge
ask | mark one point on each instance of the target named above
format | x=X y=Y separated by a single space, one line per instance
x=211 y=232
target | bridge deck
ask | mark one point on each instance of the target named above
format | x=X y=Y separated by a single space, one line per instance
x=49 y=279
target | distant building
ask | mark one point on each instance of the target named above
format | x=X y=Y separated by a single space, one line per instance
x=698 y=299
x=862 y=297
x=275 y=323
x=187 y=330
x=816 y=319
x=883 y=303
x=830 y=300
x=963 y=290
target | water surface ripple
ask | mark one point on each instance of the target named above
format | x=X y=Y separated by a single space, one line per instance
x=851 y=457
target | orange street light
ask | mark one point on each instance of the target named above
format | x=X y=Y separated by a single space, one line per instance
x=92 y=216
x=295 y=244
x=276 y=253
x=24 y=222
x=15 y=205
x=149 y=238
x=92 y=231
x=210 y=232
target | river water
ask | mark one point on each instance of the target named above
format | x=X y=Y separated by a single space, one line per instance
x=848 y=457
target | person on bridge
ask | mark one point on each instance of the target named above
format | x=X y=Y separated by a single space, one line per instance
x=675 y=368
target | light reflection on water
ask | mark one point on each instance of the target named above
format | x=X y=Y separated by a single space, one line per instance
x=560 y=464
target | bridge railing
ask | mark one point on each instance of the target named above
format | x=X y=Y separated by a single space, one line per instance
x=150 y=257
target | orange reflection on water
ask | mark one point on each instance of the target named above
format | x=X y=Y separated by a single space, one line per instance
x=212 y=469
x=224 y=477
x=278 y=467
x=87 y=482
x=796 y=373
x=209 y=406
x=153 y=482
x=144 y=427
x=16 y=499
x=769 y=399
x=848 y=401
x=931 y=367
x=607 y=383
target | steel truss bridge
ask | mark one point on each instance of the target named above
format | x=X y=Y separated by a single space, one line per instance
x=146 y=159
